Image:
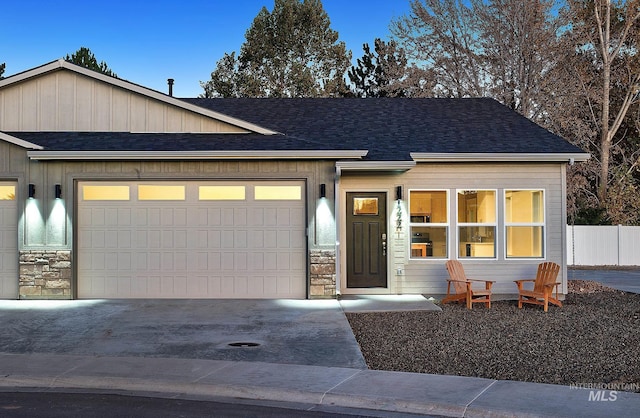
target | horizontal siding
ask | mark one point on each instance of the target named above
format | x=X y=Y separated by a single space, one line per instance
x=429 y=276
x=65 y=101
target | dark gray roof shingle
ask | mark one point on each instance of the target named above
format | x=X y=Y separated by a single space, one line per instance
x=390 y=128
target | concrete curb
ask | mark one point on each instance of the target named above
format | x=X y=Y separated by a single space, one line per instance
x=314 y=387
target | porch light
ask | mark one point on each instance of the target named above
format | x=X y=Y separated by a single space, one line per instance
x=399 y=193
x=323 y=190
x=32 y=190
x=58 y=189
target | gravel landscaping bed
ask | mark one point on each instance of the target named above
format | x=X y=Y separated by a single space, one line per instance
x=593 y=339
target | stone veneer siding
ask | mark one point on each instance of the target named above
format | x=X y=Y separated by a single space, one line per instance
x=322 y=274
x=45 y=274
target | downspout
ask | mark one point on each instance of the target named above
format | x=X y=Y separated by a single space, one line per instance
x=336 y=214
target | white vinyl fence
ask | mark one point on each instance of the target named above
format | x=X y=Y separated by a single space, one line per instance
x=589 y=245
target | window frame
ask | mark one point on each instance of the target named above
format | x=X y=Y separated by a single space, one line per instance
x=543 y=224
x=446 y=225
x=494 y=224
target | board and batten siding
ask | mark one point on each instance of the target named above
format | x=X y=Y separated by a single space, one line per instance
x=66 y=101
x=429 y=276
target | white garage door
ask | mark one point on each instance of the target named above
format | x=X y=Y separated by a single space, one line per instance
x=8 y=241
x=191 y=240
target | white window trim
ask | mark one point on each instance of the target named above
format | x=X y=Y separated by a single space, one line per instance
x=543 y=224
x=475 y=224
x=447 y=225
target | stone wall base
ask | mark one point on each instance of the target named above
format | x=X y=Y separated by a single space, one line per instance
x=45 y=274
x=322 y=274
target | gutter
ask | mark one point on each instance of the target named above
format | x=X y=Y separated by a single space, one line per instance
x=193 y=155
x=428 y=157
x=374 y=166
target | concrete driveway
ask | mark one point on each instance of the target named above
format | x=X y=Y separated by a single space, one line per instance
x=310 y=332
x=625 y=279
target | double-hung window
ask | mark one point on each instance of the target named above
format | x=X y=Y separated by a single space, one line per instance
x=524 y=223
x=476 y=223
x=429 y=220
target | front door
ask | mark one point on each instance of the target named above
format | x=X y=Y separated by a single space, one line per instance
x=366 y=240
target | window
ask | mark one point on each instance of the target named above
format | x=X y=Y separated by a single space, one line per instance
x=476 y=223
x=278 y=192
x=429 y=220
x=524 y=223
x=365 y=206
x=221 y=192
x=160 y=192
x=7 y=192
x=105 y=192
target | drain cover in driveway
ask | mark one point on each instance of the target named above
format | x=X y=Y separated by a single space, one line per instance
x=244 y=344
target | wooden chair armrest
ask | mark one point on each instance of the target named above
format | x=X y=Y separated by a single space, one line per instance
x=481 y=280
x=552 y=284
x=456 y=280
x=525 y=280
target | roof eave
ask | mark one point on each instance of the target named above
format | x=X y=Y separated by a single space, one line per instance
x=428 y=157
x=374 y=165
x=195 y=155
x=19 y=142
x=127 y=85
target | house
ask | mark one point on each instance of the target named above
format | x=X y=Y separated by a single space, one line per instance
x=109 y=189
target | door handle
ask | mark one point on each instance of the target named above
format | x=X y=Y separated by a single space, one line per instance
x=384 y=244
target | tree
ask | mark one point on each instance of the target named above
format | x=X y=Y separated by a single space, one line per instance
x=498 y=48
x=385 y=72
x=289 y=52
x=442 y=35
x=2 y=67
x=519 y=47
x=85 y=58
x=606 y=37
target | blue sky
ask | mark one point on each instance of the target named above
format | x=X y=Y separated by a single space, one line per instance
x=147 y=42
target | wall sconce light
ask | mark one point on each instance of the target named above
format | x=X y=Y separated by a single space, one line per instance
x=323 y=190
x=399 y=193
x=32 y=190
x=58 y=191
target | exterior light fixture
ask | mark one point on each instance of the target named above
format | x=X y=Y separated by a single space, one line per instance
x=399 y=193
x=32 y=190
x=58 y=191
x=323 y=190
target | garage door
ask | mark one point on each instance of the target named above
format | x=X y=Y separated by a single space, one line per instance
x=191 y=240
x=8 y=241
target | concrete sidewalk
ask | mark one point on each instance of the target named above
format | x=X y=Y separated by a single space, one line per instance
x=310 y=387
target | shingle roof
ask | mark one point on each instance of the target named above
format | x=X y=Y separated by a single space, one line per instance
x=127 y=141
x=392 y=128
x=389 y=128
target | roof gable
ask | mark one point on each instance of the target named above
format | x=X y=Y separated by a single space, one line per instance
x=60 y=96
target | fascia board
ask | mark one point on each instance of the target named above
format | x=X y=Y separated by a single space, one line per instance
x=19 y=142
x=127 y=85
x=375 y=165
x=193 y=155
x=426 y=157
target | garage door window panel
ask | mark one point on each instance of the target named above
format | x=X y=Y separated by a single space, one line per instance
x=160 y=192
x=99 y=192
x=278 y=192
x=221 y=192
x=7 y=192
